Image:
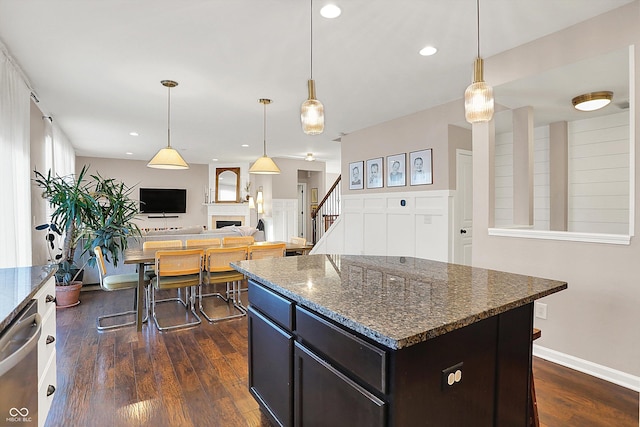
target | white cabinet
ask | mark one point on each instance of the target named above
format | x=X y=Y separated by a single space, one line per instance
x=46 y=349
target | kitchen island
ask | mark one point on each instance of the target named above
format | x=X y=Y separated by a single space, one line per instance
x=375 y=341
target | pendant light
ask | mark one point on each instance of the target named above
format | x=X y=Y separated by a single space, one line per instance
x=478 y=98
x=312 y=110
x=264 y=165
x=168 y=157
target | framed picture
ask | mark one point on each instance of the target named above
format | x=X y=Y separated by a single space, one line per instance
x=356 y=171
x=421 y=167
x=314 y=195
x=396 y=171
x=375 y=173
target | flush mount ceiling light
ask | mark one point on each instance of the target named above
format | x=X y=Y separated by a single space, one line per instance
x=312 y=110
x=592 y=101
x=478 y=98
x=168 y=157
x=309 y=157
x=264 y=165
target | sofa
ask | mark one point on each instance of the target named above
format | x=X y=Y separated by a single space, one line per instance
x=185 y=233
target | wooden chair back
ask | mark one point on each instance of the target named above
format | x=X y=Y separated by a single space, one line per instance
x=298 y=240
x=269 y=250
x=179 y=263
x=202 y=242
x=102 y=269
x=218 y=259
x=245 y=240
x=155 y=244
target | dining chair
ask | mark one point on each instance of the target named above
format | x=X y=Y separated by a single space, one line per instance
x=217 y=270
x=268 y=250
x=244 y=240
x=301 y=241
x=202 y=242
x=117 y=282
x=177 y=269
x=156 y=244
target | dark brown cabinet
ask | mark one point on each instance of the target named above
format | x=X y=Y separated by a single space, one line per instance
x=306 y=370
x=326 y=397
x=270 y=367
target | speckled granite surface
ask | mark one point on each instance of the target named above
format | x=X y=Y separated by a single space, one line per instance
x=17 y=288
x=396 y=301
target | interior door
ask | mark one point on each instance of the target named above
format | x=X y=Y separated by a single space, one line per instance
x=302 y=225
x=463 y=231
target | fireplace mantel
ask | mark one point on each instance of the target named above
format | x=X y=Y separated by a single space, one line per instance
x=228 y=212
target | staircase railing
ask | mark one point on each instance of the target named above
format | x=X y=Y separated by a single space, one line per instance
x=327 y=211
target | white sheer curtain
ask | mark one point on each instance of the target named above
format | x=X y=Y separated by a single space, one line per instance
x=15 y=209
x=64 y=156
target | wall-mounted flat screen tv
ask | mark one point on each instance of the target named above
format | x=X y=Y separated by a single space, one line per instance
x=163 y=200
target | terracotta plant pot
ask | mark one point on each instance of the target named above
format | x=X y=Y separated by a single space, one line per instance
x=68 y=296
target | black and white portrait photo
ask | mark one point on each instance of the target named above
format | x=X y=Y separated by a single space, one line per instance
x=420 y=163
x=356 y=175
x=396 y=170
x=375 y=173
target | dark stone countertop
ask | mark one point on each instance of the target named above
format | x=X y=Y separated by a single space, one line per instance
x=17 y=287
x=396 y=301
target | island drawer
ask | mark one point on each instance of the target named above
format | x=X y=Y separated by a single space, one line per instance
x=276 y=307
x=358 y=357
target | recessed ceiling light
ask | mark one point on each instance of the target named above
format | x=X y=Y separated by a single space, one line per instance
x=330 y=11
x=214 y=160
x=134 y=133
x=129 y=153
x=428 y=51
x=245 y=145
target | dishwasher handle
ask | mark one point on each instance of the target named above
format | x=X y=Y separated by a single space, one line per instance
x=33 y=321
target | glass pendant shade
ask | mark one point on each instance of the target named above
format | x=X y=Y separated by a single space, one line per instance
x=312 y=113
x=168 y=158
x=478 y=98
x=265 y=166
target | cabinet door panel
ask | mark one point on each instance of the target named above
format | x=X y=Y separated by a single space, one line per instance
x=270 y=367
x=326 y=397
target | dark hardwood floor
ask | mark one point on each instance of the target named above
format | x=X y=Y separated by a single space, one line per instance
x=198 y=377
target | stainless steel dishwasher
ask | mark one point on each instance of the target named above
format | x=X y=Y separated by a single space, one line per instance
x=19 y=369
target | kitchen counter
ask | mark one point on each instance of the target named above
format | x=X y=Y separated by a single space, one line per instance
x=17 y=287
x=397 y=301
x=390 y=341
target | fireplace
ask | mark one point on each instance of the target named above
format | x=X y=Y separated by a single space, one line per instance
x=220 y=224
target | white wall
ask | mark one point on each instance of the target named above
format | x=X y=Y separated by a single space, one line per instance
x=135 y=173
x=597 y=318
x=378 y=224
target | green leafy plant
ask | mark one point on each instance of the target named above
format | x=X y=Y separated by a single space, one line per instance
x=97 y=210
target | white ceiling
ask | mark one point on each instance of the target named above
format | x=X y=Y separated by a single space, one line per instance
x=96 y=66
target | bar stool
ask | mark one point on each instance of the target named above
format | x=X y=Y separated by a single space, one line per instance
x=117 y=282
x=177 y=269
x=218 y=270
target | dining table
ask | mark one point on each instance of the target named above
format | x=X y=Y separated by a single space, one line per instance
x=144 y=257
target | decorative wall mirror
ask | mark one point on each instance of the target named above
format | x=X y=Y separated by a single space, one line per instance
x=227 y=185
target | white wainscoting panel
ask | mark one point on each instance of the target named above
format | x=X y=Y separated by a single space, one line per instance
x=285 y=219
x=379 y=224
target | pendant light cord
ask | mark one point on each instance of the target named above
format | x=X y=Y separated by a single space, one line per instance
x=264 y=131
x=169 y=118
x=311 y=38
x=478 y=24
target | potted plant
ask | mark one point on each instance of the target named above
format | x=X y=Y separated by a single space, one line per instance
x=98 y=211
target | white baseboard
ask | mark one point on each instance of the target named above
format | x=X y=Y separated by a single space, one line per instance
x=603 y=372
